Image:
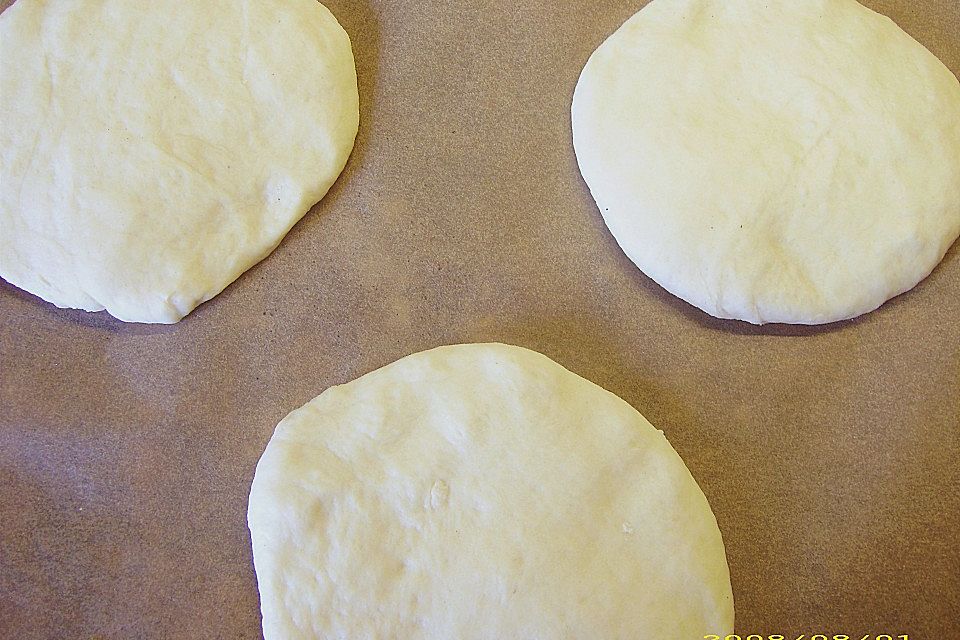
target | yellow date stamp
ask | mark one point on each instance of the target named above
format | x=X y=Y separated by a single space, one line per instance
x=815 y=636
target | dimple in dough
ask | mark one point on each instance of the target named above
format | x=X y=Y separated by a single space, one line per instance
x=792 y=161
x=153 y=151
x=481 y=492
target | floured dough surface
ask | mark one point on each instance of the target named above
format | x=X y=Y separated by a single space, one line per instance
x=790 y=161
x=481 y=492
x=153 y=151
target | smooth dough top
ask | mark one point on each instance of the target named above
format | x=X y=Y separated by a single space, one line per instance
x=791 y=161
x=150 y=152
x=481 y=492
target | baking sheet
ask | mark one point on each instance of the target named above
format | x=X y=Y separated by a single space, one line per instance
x=828 y=454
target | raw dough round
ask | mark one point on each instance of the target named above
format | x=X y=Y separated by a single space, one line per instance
x=785 y=161
x=153 y=151
x=481 y=492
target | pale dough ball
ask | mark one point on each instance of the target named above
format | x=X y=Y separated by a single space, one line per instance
x=790 y=161
x=150 y=152
x=481 y=492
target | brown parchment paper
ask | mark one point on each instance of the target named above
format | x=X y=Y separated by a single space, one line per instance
x=828 y=454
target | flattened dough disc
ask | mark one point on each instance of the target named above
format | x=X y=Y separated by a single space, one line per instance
x=791 y=161
x=150 y=152
x=481 y=492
